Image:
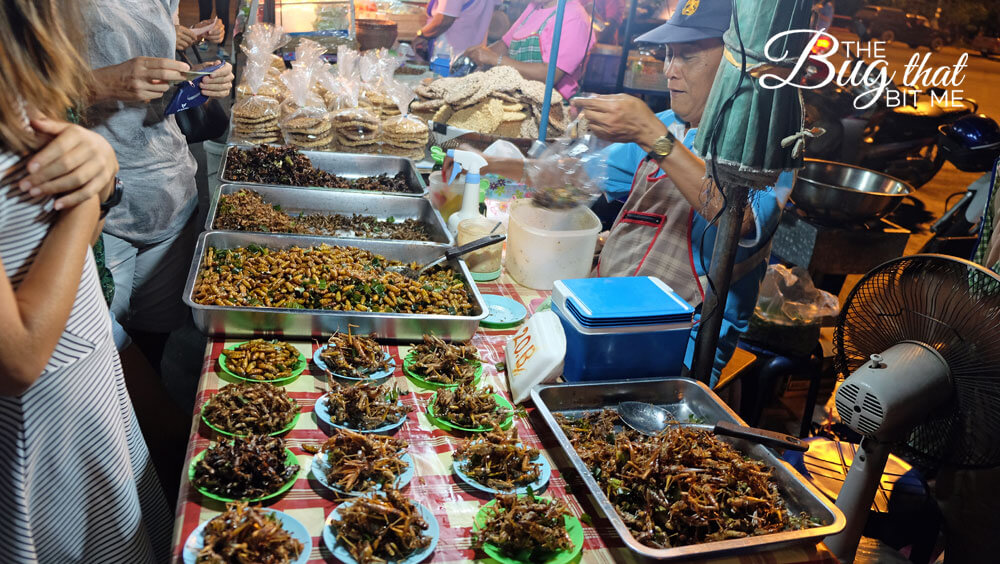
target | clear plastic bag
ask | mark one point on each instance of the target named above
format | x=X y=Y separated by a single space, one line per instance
x=357 y=130
x=255 y=116
x=788 y=297
x=403 y=135
x=262 y=40
x=305 y=121
x=568 y=173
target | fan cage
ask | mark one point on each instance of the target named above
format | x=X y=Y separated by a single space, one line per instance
x=952 y=305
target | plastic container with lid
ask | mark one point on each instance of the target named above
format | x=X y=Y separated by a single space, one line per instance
x=547 y=245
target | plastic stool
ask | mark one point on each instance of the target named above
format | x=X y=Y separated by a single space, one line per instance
x=773 y=368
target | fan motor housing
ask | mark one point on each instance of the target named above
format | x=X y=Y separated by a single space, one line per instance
x=894 y=391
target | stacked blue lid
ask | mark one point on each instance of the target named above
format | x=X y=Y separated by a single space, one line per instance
x=621 y=302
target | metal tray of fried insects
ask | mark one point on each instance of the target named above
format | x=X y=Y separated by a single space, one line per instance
x=315 y=323
x=388 y=207
x=347 y=165
x=687 y=400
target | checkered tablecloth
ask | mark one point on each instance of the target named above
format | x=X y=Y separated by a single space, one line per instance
x=453 y=503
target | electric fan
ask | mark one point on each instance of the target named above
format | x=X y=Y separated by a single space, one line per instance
x=920 y=338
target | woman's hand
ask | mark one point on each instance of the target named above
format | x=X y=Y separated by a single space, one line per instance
x=141 y=79
x=76 y=162
x=185 y=37
x=216 y=33
x=219 y=83
x=483 y=56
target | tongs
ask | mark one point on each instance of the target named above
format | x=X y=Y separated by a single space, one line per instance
x=450 y=253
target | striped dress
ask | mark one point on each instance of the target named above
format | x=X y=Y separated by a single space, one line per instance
x=76 y=482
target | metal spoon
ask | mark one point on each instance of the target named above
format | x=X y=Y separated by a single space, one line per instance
x=649 y=419
x=450 y=253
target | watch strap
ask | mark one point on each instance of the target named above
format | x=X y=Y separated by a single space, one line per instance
x=114 y=199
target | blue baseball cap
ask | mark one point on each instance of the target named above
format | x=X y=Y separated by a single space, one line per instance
x=693 y=20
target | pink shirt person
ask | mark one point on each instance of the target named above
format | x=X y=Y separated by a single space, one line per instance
x=573 y=44
x=472 y=21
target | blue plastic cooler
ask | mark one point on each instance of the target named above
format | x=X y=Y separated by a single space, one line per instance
x=621 y=328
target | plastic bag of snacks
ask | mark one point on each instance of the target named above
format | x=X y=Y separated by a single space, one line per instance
x=376 y=68
x=570 y=172
x=305 y=121
x=403 y=135
x=255 y=116
x=357 y=127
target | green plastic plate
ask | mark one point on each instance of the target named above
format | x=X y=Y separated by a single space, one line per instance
x=421 y=382
x=281 y=431
x=278 y=382
x=502 y=403
x=573 y=527
x=290 y=458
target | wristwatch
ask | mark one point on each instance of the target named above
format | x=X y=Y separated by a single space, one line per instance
x=114 y=199
x=662 y=147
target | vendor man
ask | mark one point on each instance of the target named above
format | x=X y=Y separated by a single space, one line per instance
x=663 y=229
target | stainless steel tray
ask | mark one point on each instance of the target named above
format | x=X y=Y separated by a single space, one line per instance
x=686 y=398
x=295 y=200
x=348 y=165
x=308 y=323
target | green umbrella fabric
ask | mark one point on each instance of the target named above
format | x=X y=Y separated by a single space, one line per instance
x=752 y=127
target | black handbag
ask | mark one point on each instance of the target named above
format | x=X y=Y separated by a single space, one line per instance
x=204 y=122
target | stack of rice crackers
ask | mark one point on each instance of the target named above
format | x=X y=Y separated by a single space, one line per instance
x=497 y=102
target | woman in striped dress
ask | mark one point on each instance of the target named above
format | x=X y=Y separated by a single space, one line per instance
x=76 y=484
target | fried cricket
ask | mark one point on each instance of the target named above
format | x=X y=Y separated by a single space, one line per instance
x=246 y=534
x=524 y=524
x=442 y=363
x=681 y=487
x=364 y=406
x=469 y=407
x=497 y=460
x=243 y=409
x=354 y=356
x=381 y=527
x=358 y=462
x=245 y=468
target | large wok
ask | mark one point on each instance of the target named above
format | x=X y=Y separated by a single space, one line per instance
x=837 y=193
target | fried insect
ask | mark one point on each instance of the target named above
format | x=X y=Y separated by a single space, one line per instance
x=263 y=360
x=681 y=487
x=437 y=361
x=358 y=462
x=324 y=277
x=497 y=460
x=354 y=356
x=559 y=197
x=365 y=405
x=469 y=406
x=244 y=409
x=245 y=468
x=246 y=210
x=287 y=166
x=246 y=534
x=381 y=528
x=524 y=524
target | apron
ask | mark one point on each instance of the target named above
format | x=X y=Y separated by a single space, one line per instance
x=657 y=240
x=528 y=49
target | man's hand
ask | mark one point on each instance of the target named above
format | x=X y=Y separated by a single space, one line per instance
x=421 y=47
x=482 y=56
x=76 y=162
x=219 y=83
x=621 y=118
x=141 y=79
x=185 y=37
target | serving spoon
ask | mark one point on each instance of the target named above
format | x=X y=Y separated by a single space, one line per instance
x=650 y=419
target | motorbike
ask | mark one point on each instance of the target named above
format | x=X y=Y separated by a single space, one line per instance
x=900 y=141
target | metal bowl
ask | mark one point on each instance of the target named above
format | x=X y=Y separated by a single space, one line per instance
x=836 y=193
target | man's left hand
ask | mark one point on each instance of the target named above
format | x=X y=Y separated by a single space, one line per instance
x=621 y=118
x=483 y=56
x=219 y=83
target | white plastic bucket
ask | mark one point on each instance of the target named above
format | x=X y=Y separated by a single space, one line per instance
x=545 y=245
x=213 y=159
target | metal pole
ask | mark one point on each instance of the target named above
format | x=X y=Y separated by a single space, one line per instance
x=550 y=77
x=626 y=42
x=721 y=274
